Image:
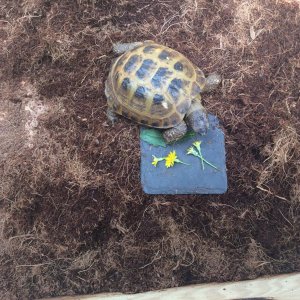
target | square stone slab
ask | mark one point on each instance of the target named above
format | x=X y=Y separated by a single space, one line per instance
x=183 y=179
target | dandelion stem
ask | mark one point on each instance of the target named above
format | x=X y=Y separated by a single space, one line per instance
x=201 y=156
x=204 y=160
x=179 y=161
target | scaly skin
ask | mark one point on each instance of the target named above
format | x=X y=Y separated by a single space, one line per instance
x=173 y=134
x=120 y=48
x=196 y=117
x=212 y=82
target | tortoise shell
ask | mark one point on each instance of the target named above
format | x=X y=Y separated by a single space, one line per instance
x=153 y=85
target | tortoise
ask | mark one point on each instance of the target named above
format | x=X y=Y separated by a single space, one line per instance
x=158 y=87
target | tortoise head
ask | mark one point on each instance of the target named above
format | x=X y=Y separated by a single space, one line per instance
x=212 y=82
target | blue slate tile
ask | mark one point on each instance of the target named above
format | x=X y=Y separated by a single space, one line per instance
x=182 y=179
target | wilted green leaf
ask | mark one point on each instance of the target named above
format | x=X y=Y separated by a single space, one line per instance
x=153 y=137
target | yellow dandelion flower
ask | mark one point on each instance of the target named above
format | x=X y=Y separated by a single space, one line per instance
x=156 y=160
x=171 y=159
x=198 y=153
x=197 y=145
x=192 y=151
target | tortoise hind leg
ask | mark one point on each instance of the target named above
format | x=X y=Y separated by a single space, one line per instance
x=120 y=48
x=110 y=113
x=175 y=133
x=111 y=116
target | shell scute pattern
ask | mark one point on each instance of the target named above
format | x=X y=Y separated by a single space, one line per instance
x=154 y=85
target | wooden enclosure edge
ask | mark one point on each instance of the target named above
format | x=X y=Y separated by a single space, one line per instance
x=280 y=287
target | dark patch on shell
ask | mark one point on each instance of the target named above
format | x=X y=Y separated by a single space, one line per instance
x=174 y=88
x=183 y=107
x=126 y=83
x=178 y=66
x=143 y=71
x=158 y=99
x=188 y=70
x=159 y=77
x=149 y=49
x=174 y=121
x=196 y=90
x=164 y=55
x=140 y=92
x=131 y=63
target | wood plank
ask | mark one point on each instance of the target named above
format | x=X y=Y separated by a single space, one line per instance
x=282 y=287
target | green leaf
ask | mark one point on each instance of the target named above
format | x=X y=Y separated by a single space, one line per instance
x=153 y=137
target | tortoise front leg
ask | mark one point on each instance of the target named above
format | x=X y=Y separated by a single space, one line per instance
x=196 y=117
x=120 y=48
x=175 y=133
